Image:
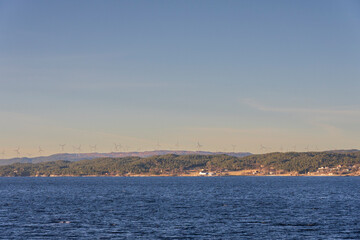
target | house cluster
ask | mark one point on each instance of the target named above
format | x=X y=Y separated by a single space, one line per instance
x=206 y=173
x=267 y=171
x=338 y=170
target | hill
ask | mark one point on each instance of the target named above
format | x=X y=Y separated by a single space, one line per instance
x=171 y=164
x=82 y=156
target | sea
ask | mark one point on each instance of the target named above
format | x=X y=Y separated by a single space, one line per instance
x=236 y=207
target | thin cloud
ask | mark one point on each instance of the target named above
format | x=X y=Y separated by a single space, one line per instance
x=264 y=108
x=115 y=85
x=238 y=130
x=329 y=129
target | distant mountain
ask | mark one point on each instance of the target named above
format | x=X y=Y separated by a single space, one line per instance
x=344 y=151
x=82 y=156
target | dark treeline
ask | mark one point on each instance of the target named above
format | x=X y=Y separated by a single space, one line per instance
x=176 y=164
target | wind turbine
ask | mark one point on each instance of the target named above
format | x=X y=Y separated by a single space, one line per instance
x=93 y=148
x=62 y=146
x=17 y=150
x=198 y=146
x=233 y=147
x=126 y=148
x=117 y=147
x=3 y=153
x=177 y=144
x=307 y=148
x=157 y=146
x=40 y=150
x=78 y=149
x=262 y=148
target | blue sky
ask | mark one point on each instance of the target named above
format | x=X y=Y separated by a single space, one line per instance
x=282 y=74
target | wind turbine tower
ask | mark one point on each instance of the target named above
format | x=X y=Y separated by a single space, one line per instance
x=17 y=150
x=233 y=147
x=77 y=149
x=262 y=148
x=93 y=148
x=198 y=146
x=157 y=146
x=117 y=147
x=62 y=146
x=307 y=148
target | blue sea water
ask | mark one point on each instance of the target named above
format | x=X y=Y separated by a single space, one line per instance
x=180 y=208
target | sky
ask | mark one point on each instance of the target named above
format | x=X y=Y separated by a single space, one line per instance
x=257 y=76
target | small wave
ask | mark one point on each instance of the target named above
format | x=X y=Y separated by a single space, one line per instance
x=296 y=224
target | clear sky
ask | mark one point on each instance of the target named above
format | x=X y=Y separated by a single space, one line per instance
x=284 y=75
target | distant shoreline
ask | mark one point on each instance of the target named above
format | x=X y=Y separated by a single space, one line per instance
x=273 y=164
x=230 y=174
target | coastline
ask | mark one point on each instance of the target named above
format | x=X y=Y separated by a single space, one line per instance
x=196 y=174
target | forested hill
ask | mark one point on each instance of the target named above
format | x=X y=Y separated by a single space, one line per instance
x=177 y=164
x=87 y=156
